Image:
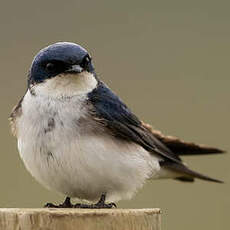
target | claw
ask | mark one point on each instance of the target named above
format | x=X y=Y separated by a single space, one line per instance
x=95 y=206
x=67 y=204
x=50 y=205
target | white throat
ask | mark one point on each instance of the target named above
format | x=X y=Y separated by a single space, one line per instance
x=66 y=85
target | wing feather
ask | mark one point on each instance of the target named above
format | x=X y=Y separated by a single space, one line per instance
x=124 y=124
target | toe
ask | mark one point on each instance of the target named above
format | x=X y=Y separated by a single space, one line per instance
x=50 y=205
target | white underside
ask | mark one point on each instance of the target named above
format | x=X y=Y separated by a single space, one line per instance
x=83 y=166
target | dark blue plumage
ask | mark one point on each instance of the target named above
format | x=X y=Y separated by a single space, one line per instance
x=110 y=106
x=56 y=59
x=124 y=124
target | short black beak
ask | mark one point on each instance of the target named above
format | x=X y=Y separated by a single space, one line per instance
x=74 y=69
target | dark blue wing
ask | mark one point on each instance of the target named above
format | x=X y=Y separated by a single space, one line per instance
x=124 y=124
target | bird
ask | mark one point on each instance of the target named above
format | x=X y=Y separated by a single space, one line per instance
x=78 y=138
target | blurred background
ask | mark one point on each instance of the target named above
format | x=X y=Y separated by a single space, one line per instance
x=168 y=60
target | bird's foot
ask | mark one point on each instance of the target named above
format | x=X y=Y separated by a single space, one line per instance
x=95 y=206
x=100 y=204
x=65 y=204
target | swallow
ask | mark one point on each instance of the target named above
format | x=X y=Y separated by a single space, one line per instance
x=77 y=137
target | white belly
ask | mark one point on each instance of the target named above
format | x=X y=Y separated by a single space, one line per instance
x=82 y=166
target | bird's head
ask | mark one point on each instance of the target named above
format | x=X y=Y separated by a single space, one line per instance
x=62 y=69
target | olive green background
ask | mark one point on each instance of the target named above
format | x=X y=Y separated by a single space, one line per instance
x=168 y=60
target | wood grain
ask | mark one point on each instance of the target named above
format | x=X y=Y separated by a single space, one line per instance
x=82 y=219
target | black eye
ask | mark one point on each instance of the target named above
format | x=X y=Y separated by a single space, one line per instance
x=50 y=67
x=86 y=60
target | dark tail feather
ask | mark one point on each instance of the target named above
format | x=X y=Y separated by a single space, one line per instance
x=187 y=174
x=181 y=147
x=188 y=148
x=185 y=179
x=194 y=149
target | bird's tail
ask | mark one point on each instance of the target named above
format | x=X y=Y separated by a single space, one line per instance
x=187 y=175
x=182 y=147
x=187 y=148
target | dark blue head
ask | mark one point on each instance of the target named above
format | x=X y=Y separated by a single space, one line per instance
x=59 y=58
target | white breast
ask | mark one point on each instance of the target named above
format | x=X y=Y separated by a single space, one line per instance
x=82 y=166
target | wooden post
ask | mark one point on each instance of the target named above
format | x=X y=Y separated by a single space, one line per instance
x=79 y=219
